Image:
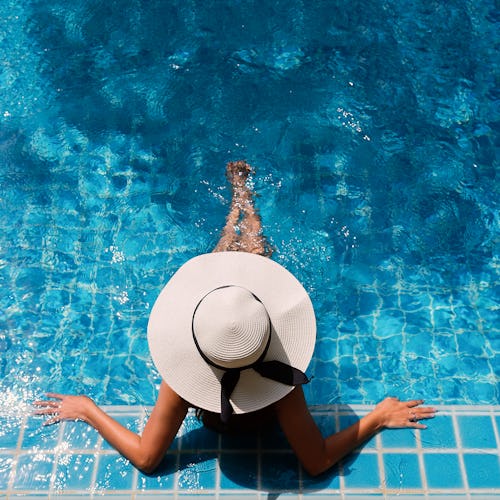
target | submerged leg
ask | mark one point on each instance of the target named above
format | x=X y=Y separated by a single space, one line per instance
x=243 y=229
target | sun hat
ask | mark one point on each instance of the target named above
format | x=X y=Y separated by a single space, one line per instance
x=232 y=332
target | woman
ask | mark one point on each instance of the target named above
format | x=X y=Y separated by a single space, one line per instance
x=231 y=334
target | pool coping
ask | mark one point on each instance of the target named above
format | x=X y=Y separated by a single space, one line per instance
x=468 y=442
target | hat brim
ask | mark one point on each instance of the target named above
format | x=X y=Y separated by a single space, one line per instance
x=170 y=336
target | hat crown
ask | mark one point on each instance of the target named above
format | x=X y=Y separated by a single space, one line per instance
x=231 y=327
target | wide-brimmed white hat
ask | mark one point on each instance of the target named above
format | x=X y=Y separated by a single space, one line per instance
x=232 y=328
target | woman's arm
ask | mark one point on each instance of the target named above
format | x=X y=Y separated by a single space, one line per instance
x=146 y=451
x=317 y=454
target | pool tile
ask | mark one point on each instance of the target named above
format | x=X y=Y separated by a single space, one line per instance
x=9 y=431
x=439 y=433
x=402 y=471
x=34 y=472
x=163 y=483
x=361 y=471
x=6 y=463
x=279 y=471
x=197 y=437
x=476 y=431
x=74 y=472
x=443 y=470
x=114 y=473
x=197 y=472
x=39 y=436
x=162 y=479
x=80 y=436
x=483 y=470
x=238 y=471
x=399 y=438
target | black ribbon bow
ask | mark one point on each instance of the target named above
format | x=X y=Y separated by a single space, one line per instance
x=274 y=370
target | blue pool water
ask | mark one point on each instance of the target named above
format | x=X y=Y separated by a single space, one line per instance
x=373 y=128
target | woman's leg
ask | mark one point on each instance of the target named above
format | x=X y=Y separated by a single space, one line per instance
x=243 y=229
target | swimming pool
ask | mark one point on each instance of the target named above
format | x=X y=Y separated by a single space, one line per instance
x=372 y=126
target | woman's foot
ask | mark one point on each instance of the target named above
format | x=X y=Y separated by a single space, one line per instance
x=237 y=172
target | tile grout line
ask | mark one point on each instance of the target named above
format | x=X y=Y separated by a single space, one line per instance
x=421 y=464
x=17 y=452
x=495 y=430
x=380 y=462
x=98 y=453
x=57 y=454
x=460 y=454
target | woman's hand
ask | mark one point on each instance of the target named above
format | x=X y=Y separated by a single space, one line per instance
x=64 y=408
x=394 y=414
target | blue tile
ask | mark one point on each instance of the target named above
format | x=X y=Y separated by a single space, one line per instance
x=279 y=471
x=483 y=470
x=80 y=436
x=476 y=432
x=238 y=471
x=402 y=471
x=197 y=437
x=163 y=478
x=442 y=470
x=439 y=433
x=114 y=473
x=398 y=438
x=9 y=432
x=5 y=470
x=74 y=472
x=361 y=471
x=38 y=436
x=34 y=472
x=197 y=472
